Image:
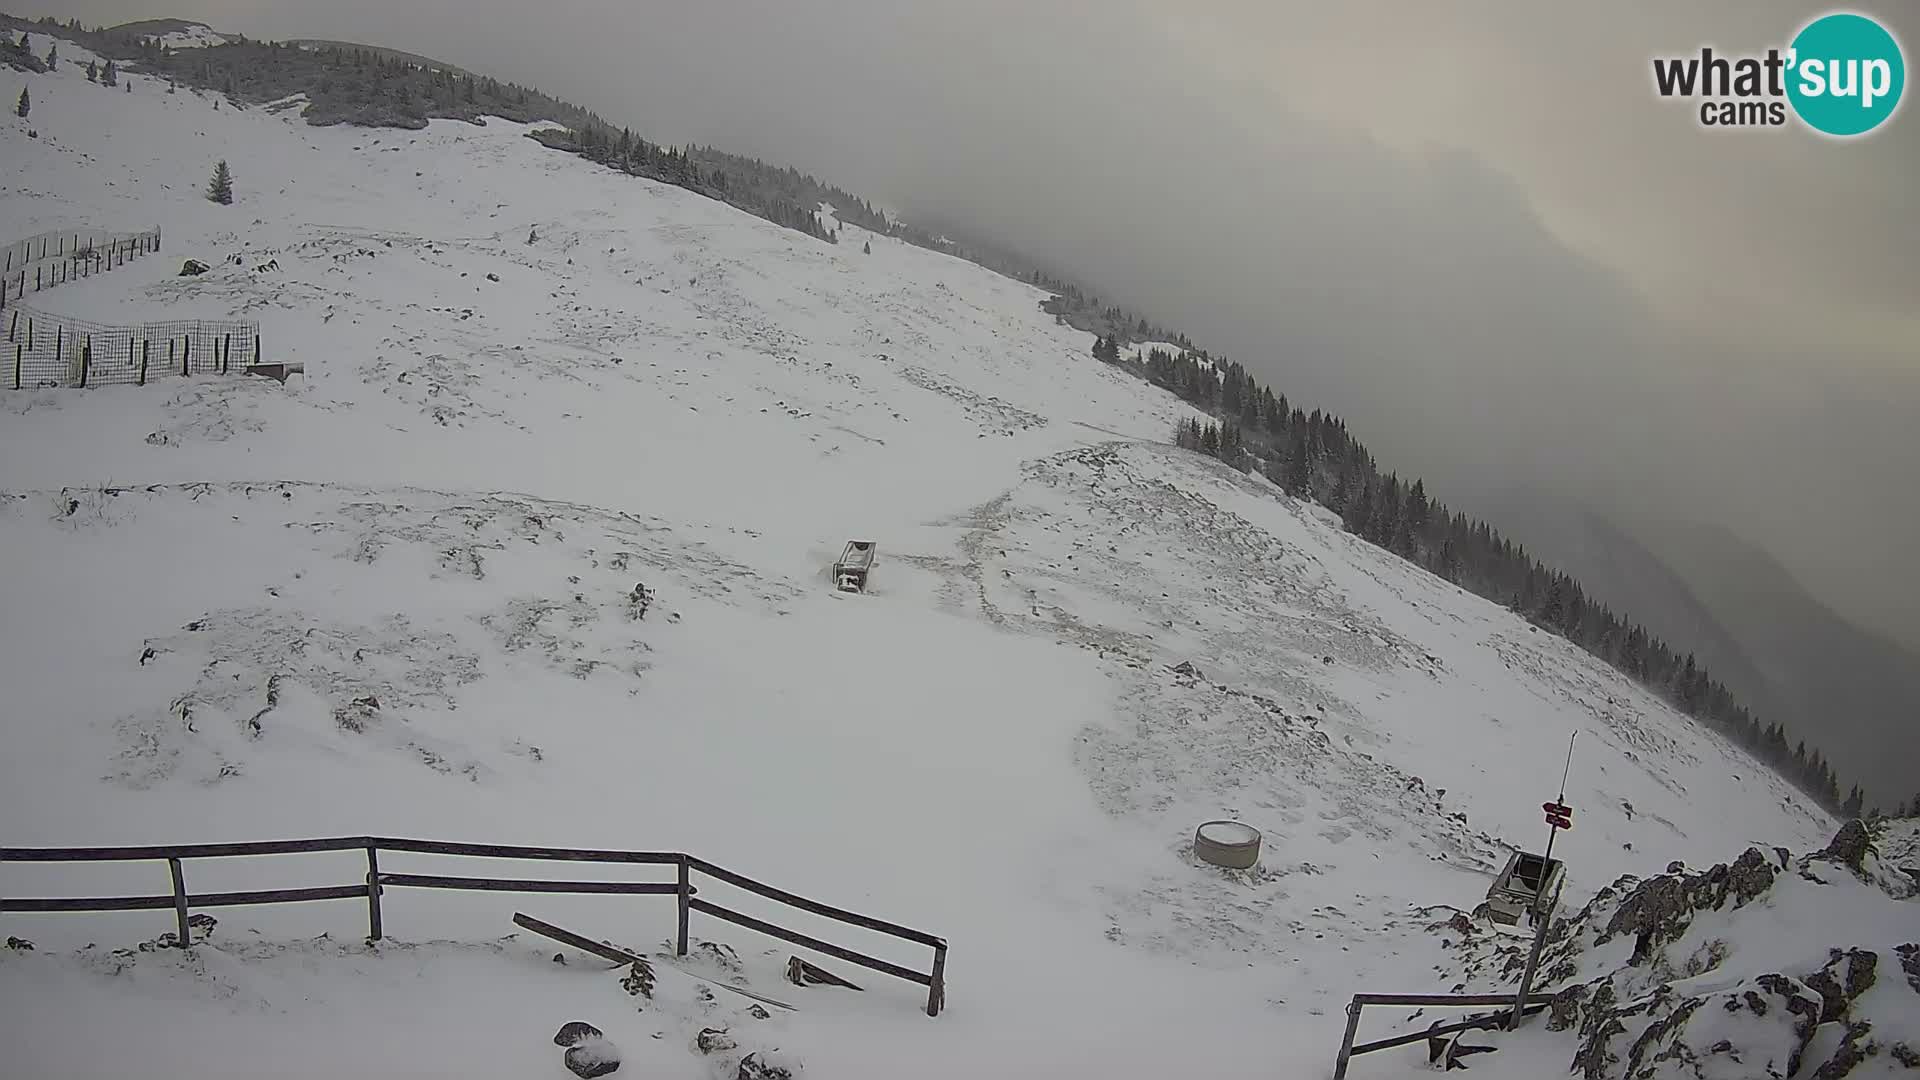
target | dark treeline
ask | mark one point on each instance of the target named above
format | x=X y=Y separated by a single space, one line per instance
x=1313 y=456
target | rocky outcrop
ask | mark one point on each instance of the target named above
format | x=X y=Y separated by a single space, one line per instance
x=1645 y=1014
x=574 y=1031
x=1660 y=909
x=1850 y=846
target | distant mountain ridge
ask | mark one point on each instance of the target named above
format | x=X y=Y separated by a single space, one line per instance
x=1840 y=686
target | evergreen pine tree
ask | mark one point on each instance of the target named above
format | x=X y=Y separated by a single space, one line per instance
x=110 y=75
x=25 y=106
x=1855 y=799
x=93 y=71
x=221 y=189
x=53 y=55
x=866 y=248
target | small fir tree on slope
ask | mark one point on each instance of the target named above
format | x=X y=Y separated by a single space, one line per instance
x=221 y=189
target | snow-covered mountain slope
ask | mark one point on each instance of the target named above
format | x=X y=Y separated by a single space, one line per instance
x=175 y=33
x=209 y=584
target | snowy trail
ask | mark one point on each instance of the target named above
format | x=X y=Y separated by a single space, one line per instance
x=448 y=510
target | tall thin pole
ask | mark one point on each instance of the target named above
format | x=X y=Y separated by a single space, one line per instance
x=1562 y=797
x=1533 y=961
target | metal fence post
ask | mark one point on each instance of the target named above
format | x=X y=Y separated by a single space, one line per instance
x=1346 y=1042
x=1533 y=960
x=686 y=895
x=373 y=893
x=180 y=901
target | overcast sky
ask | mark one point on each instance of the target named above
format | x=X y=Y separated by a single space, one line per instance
x=1469 y=228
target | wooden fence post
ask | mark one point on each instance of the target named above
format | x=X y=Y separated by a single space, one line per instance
x=145 y=347
x=19 y=347
x=86 y=361
x=256 y=350
x=686 y=894
x=373 y=893
x=937 y=989
x=186 y=354
x=59 y=338
x=227 y=357
x=180 y=901
x=1346 y=1043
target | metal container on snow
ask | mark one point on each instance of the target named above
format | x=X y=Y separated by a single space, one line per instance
x=1229 y=844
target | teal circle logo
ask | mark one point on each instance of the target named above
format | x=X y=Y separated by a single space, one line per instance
x=1846 y=74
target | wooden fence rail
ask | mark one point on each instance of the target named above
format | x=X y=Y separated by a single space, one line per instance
x=376 y=882
x=1348 y=1050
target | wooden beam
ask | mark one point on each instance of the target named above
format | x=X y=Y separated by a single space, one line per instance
x=530 y=885
x=804 y=904
x=813 y=943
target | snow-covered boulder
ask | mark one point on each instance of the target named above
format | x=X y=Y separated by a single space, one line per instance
x=591 y=1057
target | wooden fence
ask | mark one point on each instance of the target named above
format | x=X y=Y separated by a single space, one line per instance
x=50 y=259
x=1533 y=1003
x=46 y=350
x=682 y=887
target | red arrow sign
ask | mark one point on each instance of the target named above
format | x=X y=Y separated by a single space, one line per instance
x=1559 y=809
x=1559 y=821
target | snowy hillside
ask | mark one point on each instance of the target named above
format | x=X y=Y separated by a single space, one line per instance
x=176 y=33
x=392 y=597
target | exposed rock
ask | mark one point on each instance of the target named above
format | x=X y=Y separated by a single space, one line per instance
x=1660 y=909
x=1850 y=846
x=721 y=955
x=1187 y=669
x=592 y=1057
x=19 y=944
x=574 y=1031
x=193 y=268
x=714 y=1041
x=801 y=973
x=1847 y=975
x=358 y=715
x=638 y=980
x=1853 y=1050
x=1564 y=1012
x=755 y=1067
